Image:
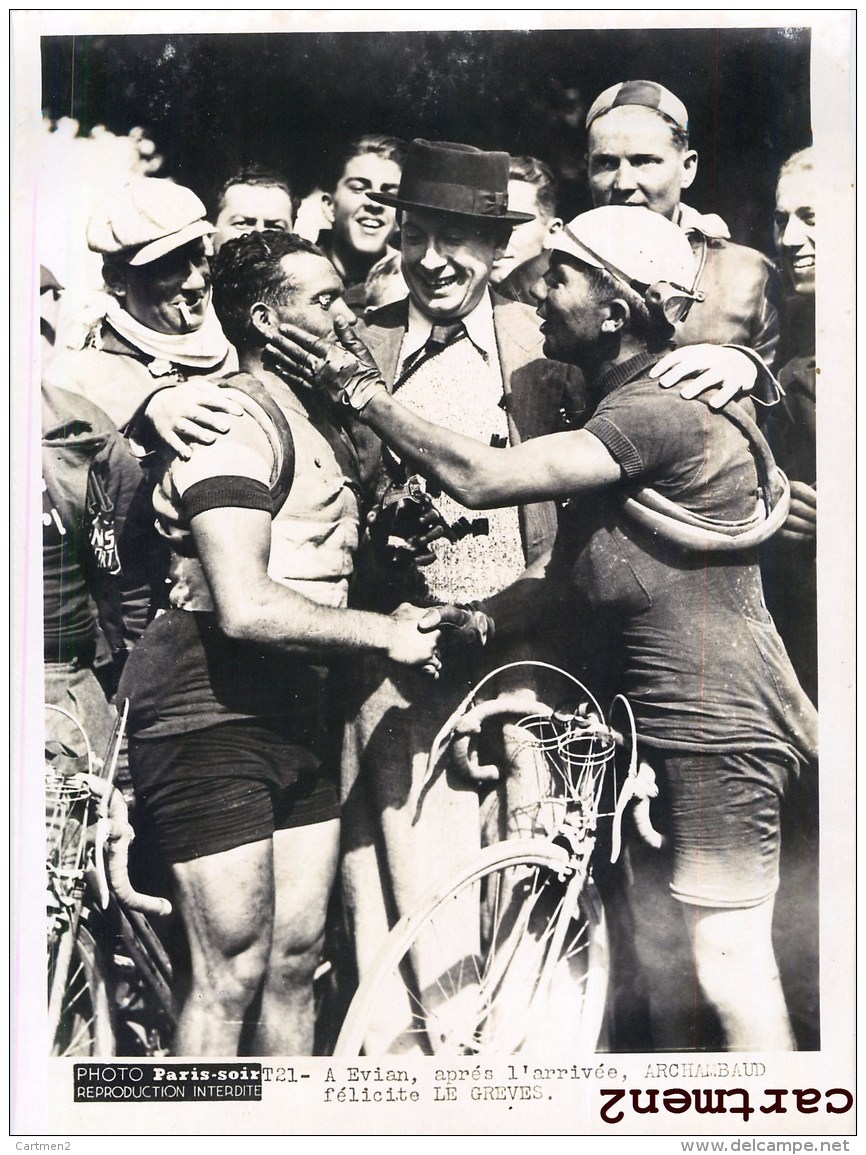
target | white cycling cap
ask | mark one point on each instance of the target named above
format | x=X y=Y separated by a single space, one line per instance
x=634 y=244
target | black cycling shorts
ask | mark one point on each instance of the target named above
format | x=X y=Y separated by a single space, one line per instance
x=722 y=814
x=210 y=790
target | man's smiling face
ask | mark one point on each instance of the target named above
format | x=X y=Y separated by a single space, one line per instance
x=446 y=262
x=171 y=294
x=362 y=225
x=794 y=229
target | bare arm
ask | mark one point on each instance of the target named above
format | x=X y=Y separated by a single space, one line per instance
x=234 y=544
x=481 y=477
x=477 y=475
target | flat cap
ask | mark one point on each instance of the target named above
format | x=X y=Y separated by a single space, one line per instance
x=145 y=219
x=646 y=94
x=459 y=179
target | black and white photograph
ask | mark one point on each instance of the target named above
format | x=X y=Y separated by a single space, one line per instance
x=427 y=641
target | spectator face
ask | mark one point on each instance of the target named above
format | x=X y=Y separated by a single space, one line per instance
x=527 y=239
x=248 y=208
x=360 y=224
x=318 y=297
x=794 y=229
x=170 y=295
x=571 y=314
x=633 y=160
x=447 y=262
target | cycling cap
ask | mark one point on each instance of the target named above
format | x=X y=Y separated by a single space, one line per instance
x=646 y=94
x=636 y=245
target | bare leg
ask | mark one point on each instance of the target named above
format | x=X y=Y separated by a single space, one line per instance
x=654 y=928
x=226 y=901
x=738 y=973
x=305 y=864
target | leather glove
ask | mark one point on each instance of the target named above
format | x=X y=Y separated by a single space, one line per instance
x=343 y=369
x=466 y=625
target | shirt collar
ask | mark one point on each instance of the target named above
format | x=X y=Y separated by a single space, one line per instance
x=708 y=224
x=626 y=371
x=478 y=324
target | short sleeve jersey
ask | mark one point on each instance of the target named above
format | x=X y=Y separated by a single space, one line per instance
x=185 y=673
x=702 y=662
x=314 y=534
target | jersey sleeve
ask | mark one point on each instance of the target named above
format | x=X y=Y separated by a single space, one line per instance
x=653 y=434
x=242 y=455
x=234 y=471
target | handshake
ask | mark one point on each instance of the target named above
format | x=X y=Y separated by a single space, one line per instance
x=343 y=369
x=457 y=628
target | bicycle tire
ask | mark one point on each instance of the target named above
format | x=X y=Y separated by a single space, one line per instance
x=85 y=1025
x=500 y=1007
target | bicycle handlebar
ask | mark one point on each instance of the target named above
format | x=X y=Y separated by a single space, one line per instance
x=465 y=753
x=466 y=721
x=113 y=836
x=638 y=788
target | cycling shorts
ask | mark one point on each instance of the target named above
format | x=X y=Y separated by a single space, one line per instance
x=211 y=790
x=721 y=813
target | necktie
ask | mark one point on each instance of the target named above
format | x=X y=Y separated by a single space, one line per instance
x=443 y=335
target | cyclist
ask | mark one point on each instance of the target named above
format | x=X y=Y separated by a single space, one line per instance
x=228 y=744
x=683 y=632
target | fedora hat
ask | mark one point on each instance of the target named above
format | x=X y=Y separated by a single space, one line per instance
x=454 y=178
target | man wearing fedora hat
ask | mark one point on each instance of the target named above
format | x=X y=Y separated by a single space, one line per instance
x=461 y=358
x=660 y=543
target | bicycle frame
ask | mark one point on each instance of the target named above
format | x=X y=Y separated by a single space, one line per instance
x=537 y=894
x=96 y=918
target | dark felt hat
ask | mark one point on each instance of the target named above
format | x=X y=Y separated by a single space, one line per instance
x=456 y=179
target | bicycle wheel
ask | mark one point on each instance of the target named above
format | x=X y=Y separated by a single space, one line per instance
x=84 y=1024
x=510 y=956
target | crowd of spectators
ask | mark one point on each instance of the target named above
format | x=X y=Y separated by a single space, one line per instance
x=212 y=545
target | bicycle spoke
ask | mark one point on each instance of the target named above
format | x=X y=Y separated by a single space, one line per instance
x=84 y=1031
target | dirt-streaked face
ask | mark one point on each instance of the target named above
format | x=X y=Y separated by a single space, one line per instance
x=318 y=298
x=571 y=314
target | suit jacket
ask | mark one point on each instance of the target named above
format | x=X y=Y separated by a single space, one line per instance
x=542 y=395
